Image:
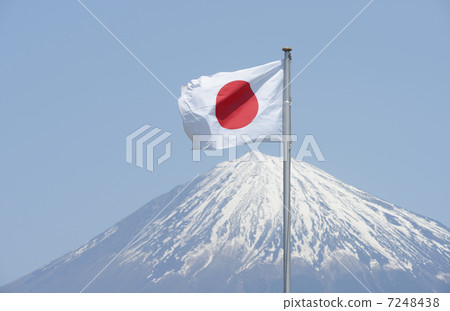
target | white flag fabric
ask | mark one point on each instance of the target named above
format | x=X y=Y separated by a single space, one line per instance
x=233 y=108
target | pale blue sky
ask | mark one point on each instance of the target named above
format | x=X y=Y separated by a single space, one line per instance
x=377 y=101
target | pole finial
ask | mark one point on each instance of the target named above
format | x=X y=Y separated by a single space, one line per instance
x=287 y=49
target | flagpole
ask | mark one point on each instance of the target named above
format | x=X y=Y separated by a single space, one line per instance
x=287 y=170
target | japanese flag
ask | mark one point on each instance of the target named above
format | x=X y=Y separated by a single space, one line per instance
x=234 y=108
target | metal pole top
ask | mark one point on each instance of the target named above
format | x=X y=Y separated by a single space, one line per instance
x=287 y=49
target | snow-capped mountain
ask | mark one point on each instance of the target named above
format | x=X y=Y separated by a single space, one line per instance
x=222 y=232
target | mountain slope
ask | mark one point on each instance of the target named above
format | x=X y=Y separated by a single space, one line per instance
x=223 y=233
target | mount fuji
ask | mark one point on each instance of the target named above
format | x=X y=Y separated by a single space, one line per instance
x=222 y=232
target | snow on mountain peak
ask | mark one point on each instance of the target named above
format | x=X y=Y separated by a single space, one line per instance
x=223 y=232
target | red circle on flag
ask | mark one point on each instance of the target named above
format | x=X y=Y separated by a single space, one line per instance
x=236 y=105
